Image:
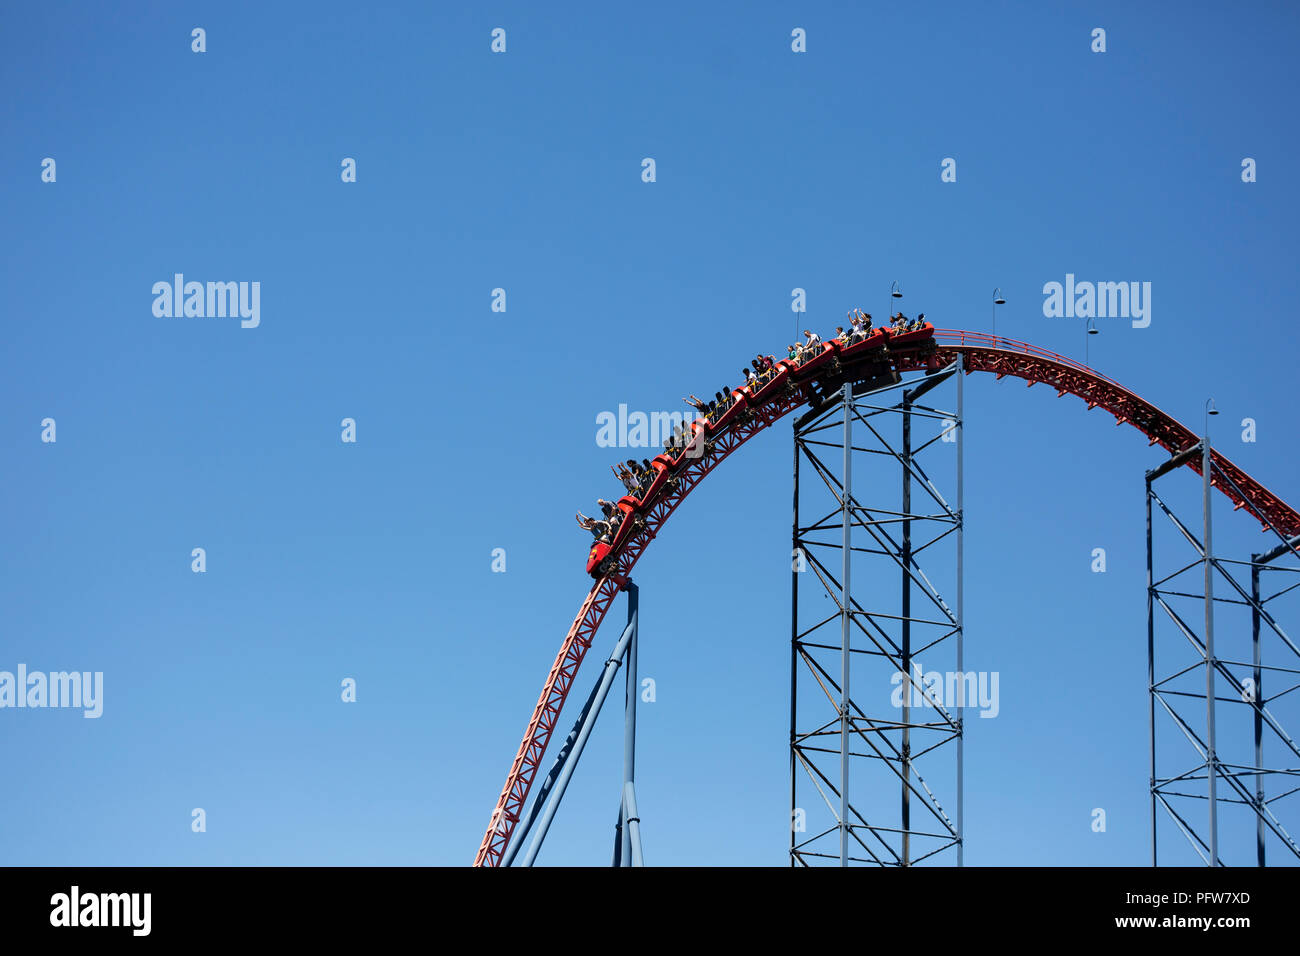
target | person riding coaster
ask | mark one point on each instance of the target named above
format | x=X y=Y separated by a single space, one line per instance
x=861 y=325
x=812 y=343
x=600 y=530
x=637 y=478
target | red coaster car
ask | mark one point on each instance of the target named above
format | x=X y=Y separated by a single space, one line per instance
x=661 y=464
x=599 y=551
x=901 y=338
x=774 y=384
x=740 y=399
x=821 y=358
x=873 y=341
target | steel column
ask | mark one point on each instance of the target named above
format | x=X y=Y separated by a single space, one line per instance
x=633 y=818
x=1211 y=765
x=961 y=612
x=1151 y=675
x=906 y=627
x=1257 y=698
x=629 y=722
x=584 y=732
x=845 y=622
x=796 y=564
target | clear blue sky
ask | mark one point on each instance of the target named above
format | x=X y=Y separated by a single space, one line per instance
x=476 y=430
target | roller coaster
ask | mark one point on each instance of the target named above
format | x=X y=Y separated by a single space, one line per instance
x=878 y=360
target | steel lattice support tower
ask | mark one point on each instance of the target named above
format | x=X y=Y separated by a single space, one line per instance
x=876 y=625
x=1224 y=769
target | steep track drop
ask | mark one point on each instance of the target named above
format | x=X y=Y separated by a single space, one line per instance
x=934 y=352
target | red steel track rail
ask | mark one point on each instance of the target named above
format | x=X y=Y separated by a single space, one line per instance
x=980 y=353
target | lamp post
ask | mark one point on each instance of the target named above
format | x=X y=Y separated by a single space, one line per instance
x=1091 y=330
x=895 y=292
x=997 y=301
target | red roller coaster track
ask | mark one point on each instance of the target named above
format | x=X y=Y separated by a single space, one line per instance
x=980 y=353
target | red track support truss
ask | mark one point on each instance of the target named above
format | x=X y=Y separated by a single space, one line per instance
x=982 y=353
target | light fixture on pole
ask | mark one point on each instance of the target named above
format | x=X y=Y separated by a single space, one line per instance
x=1092 y=330
x=997 y=301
